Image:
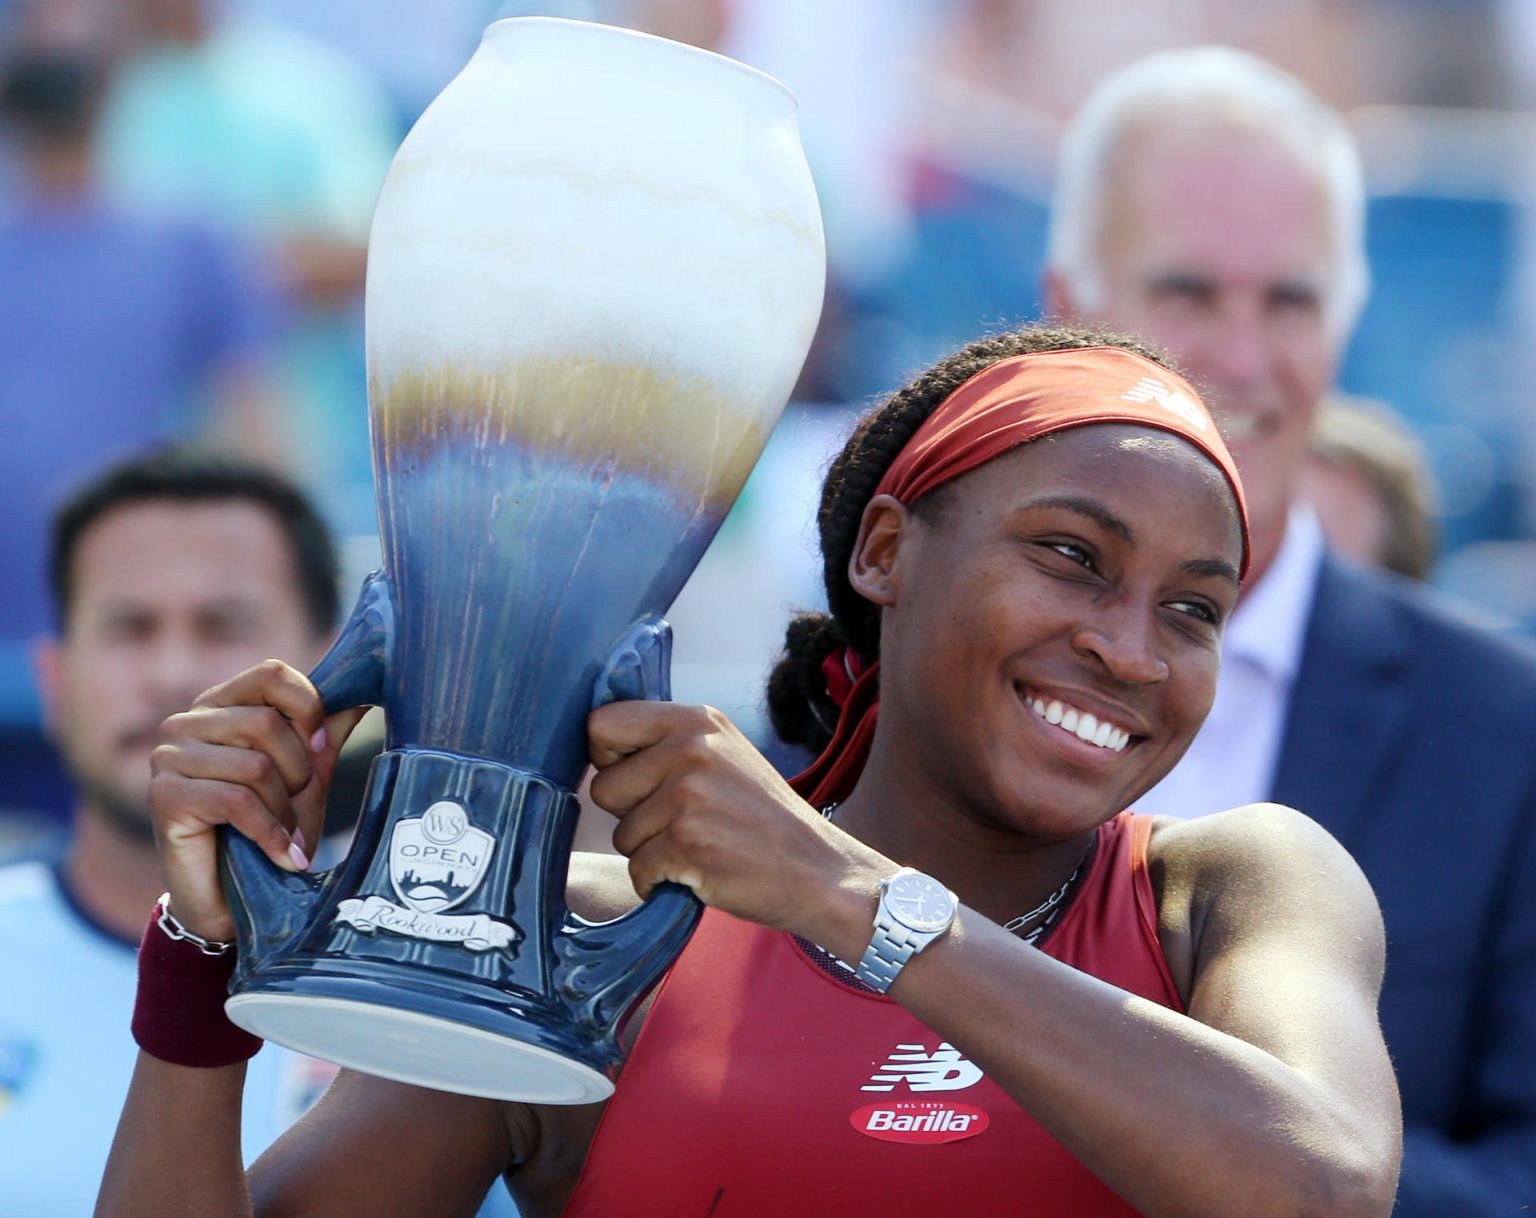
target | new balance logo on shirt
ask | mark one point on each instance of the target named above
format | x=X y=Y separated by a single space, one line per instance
x=942 y=1070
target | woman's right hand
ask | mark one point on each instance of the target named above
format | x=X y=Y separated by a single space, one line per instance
x=256 y=753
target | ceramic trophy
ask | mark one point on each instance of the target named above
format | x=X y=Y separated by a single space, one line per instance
x=593 y=276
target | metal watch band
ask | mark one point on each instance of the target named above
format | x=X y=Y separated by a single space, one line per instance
x=889 y=949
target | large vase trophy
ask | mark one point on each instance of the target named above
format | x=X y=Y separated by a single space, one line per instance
x=594 y=272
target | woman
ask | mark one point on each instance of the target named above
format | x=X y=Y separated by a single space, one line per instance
x=1030 y=552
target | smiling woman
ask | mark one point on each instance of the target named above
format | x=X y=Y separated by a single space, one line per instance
x=944 y=972
x=1006 y=518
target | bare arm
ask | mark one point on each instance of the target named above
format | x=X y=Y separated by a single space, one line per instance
x=177 y=1147
x=368 y=1147
x=1277 y=1082
x=387 y=1150
x=250 y=754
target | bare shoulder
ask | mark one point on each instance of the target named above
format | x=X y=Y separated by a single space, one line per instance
x=1259 y=840
x=598 y=888
x=1256 y=871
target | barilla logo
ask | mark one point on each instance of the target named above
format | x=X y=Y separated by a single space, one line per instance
x=919 y=1121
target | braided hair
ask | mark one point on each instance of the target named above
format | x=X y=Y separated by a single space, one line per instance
x=799 y=707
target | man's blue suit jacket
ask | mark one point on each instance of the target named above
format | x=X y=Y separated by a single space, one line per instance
x=1411 y=736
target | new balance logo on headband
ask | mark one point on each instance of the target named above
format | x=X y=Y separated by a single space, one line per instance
x=1150 y=389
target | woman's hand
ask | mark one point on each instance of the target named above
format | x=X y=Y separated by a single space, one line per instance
x=698 y=805
x=255 y=753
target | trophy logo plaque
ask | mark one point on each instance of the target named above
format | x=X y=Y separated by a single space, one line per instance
x=594 y=272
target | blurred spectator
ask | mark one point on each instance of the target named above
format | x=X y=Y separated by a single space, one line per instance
x=414 y=49
x=1368 y=481
x=116 y=327
x=1208 y=201
x=235 y=118
x=1047 y=54
x=170 y=573
x=855 y=106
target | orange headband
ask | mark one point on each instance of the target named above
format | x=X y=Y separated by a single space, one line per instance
x=1009 y=403
x=1024 y=397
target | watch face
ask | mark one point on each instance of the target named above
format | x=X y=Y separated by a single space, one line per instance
x=919 y=902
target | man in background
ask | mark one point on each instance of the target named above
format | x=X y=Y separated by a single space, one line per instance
x=168 y=574
x=1208 y=201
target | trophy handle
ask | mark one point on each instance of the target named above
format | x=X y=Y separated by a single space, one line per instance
x=271 y=906
x=352 y=672
x=606 y=966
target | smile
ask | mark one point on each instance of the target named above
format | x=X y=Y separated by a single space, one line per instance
x=1079 y=723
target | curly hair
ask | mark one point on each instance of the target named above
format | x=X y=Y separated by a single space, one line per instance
x=799 y=707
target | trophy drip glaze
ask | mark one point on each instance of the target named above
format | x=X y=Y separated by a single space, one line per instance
x=594 y=273
x=585 y=493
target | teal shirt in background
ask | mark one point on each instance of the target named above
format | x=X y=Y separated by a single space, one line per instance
x=271 y=135
x=66 y=1056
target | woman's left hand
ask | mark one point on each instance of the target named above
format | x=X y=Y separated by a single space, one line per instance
x=700 y=806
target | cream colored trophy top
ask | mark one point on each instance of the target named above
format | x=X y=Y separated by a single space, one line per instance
x=602 y=244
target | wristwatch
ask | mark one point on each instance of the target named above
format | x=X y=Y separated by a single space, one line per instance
x=915 y=909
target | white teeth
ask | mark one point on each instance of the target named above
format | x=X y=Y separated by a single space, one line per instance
x=1081 y=724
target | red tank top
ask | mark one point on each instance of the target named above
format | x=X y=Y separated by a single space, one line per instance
x=763 y=1085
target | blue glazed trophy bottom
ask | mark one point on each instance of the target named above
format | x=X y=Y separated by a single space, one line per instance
x=321 y=974
x=389 y=1029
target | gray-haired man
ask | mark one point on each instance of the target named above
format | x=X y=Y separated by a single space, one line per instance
x=1208 y=201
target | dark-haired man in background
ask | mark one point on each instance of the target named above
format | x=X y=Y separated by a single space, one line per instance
x=168 y=574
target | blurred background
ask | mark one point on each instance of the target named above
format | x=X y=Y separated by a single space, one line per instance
x=186 y=186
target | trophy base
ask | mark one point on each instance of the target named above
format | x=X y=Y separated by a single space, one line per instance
x=423 y=1050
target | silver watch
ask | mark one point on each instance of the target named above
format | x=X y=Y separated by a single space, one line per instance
x=915 y=909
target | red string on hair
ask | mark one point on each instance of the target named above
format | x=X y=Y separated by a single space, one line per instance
x=841 y=669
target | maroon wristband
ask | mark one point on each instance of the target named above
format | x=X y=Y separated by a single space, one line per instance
x=178 y=1015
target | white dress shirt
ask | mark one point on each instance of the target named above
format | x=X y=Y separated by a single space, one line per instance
x=1232 y=761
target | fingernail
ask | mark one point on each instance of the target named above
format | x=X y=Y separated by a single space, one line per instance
x=317 y=741
x=298 y=839
x=297 y=855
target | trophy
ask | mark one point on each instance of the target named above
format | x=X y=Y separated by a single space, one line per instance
x=594 y=272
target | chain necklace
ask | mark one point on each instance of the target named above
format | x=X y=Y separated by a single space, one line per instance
x=1047 y=909
x=1047 y=906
